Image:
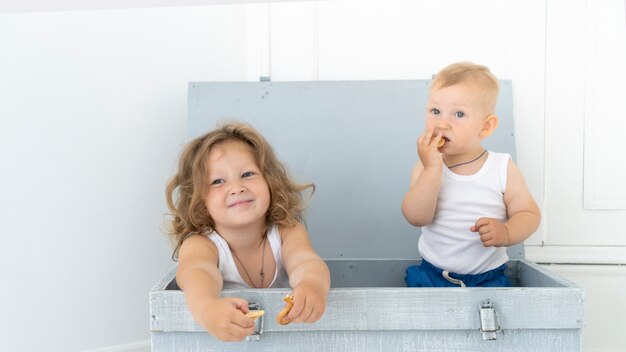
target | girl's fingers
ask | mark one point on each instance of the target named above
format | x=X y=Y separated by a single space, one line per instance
x=305 y=315
x=298 y=307
x=243 y=321
x=239 y=303
x=238 y=333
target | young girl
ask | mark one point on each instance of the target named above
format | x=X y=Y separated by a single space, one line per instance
x=236 y=224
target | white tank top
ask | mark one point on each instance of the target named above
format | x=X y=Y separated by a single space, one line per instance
x=228 y=268
x=447 y=242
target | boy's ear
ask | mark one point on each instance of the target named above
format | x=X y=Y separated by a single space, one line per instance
x=489 y=125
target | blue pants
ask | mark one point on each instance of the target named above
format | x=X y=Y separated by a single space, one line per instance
x=428 y=275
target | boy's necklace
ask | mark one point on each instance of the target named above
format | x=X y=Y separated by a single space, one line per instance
x=469 y=162
x=262 y=273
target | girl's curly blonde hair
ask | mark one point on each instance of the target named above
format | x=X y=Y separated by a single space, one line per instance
x=184 y=192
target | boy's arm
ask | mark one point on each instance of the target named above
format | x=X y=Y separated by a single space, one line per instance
x=522 y=210
x=420 y=202
x=200 y=279
x=308 y=275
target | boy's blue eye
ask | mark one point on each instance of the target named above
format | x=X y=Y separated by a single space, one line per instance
x=435 y=111
x=459 y=114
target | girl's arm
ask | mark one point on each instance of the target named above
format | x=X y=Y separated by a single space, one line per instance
x=420 y=202
x=199 y=277
x=308 y=275
x=523 y=212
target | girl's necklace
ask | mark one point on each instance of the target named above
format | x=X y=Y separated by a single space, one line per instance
x=262 y=273
x=469 y=162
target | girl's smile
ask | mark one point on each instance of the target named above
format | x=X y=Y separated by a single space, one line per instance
x=238 y=195
x=240 y=203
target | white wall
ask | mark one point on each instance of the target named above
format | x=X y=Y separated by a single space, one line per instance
x=92 y=115
x=604 y=286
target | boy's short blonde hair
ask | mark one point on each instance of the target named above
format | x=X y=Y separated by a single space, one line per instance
x=469 y=72
x=185 y=191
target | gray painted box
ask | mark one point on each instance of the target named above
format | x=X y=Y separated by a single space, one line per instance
x=369 y=309
x=356 y=141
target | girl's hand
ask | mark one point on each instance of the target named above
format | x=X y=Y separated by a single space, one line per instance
x=427 y=149
x=309 y=304
x=308 y=275
x=492 y=232
x=225 y=319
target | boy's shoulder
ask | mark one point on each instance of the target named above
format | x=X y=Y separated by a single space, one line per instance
x=501 y=159
x=502 y=155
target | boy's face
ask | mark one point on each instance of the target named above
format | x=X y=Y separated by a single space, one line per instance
x=459 y=113
x=238 y=195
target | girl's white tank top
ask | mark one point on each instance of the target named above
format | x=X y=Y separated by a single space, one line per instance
x=228 y=268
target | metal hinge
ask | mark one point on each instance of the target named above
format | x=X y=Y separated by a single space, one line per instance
x=488 y=320
x=258 y=324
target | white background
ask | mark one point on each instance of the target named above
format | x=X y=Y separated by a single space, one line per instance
x=93 y=114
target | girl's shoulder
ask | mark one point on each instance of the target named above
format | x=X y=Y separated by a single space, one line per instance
x=198 y=245
x=285 y=230
x=198 y=238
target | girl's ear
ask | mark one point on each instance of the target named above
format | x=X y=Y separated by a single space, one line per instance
x=489 y=125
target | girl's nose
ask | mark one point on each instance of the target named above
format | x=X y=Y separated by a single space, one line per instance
x=237 y=189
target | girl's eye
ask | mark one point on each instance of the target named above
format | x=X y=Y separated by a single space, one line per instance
x=459 y=114
x=247 y=174
x=435 y=111
x=217 y=181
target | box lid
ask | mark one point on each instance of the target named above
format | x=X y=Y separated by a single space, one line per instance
x=356 y=140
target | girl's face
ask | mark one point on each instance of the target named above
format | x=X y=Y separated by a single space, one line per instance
x=459 y=113
x=238 y=195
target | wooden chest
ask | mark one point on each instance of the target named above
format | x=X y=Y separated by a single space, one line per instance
x=376 y=312
x=356 y=141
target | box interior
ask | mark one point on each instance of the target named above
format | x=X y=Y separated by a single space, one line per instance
x=390 y=273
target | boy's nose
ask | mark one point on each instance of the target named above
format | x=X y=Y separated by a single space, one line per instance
x=444 y=126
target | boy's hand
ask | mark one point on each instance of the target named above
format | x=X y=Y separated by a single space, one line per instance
x=492 y=232
x=427 y=149
x=309 y=304
x=225 y=319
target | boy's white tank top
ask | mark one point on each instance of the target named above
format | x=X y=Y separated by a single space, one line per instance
x=447 y=242
x=228 y=268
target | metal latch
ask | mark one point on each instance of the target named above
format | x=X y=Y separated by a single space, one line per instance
x=258 y=323
x=488 y=320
